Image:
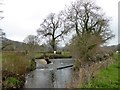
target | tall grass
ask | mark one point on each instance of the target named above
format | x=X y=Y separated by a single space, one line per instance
x=14 y=67
x=16 y=63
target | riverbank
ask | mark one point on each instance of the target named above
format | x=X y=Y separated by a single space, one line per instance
x=106 y=77
x=14 y=67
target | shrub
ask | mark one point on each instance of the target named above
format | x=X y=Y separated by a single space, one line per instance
x=32 y=65
x=12 y=82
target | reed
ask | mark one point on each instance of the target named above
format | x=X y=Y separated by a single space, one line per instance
x=15 y=62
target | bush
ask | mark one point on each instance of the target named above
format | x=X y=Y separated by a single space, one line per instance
x=32 y=65
x=12 y=82
x=85 y=47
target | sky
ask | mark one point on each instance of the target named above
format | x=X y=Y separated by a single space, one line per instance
x=23 y=17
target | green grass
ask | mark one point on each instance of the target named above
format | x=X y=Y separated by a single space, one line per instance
x=106 y=78
x=66 y=53
x=38 y=54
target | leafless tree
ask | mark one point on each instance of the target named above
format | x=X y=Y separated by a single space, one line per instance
x=89 y=22
x=31 y=39
x=91 y=26
x=32 y=43
x=2 y=37
x=2 y=34
x=53 y=28
x=1 y=11
x=92 y=30
x=84 y=16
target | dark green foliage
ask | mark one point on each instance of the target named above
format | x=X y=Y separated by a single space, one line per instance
x=32 y=65
x=12 y=82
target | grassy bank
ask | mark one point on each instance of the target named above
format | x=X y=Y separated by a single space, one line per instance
x=14 y=67
x=106 y=78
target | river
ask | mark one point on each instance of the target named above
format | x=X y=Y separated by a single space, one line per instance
x=47 y=76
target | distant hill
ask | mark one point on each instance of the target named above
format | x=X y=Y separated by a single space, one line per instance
x=10 y=45
x=113 y=47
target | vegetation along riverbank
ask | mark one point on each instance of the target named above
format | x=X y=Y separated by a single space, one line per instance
x=107 y=77
x=14 y=67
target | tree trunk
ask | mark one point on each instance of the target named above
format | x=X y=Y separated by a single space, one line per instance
x=53 y=45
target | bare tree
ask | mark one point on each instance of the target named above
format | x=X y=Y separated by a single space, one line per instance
x=2 y=38
x=2 y=34
x=92 y=31
x=32 y=43
x=91 y=26
x=84 y=16
x=31 y=39
x=53 y=28
x=1 y=11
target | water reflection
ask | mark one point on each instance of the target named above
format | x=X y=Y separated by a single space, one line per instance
x=50 y=77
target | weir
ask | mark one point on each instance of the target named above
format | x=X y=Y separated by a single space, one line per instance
x=57 y=74
x=62 y=67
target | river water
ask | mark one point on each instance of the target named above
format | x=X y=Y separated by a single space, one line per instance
x=47 y=76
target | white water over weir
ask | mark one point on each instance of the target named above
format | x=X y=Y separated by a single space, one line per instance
x=58 y=74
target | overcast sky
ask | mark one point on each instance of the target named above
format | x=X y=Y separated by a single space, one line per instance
x=23 y=17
